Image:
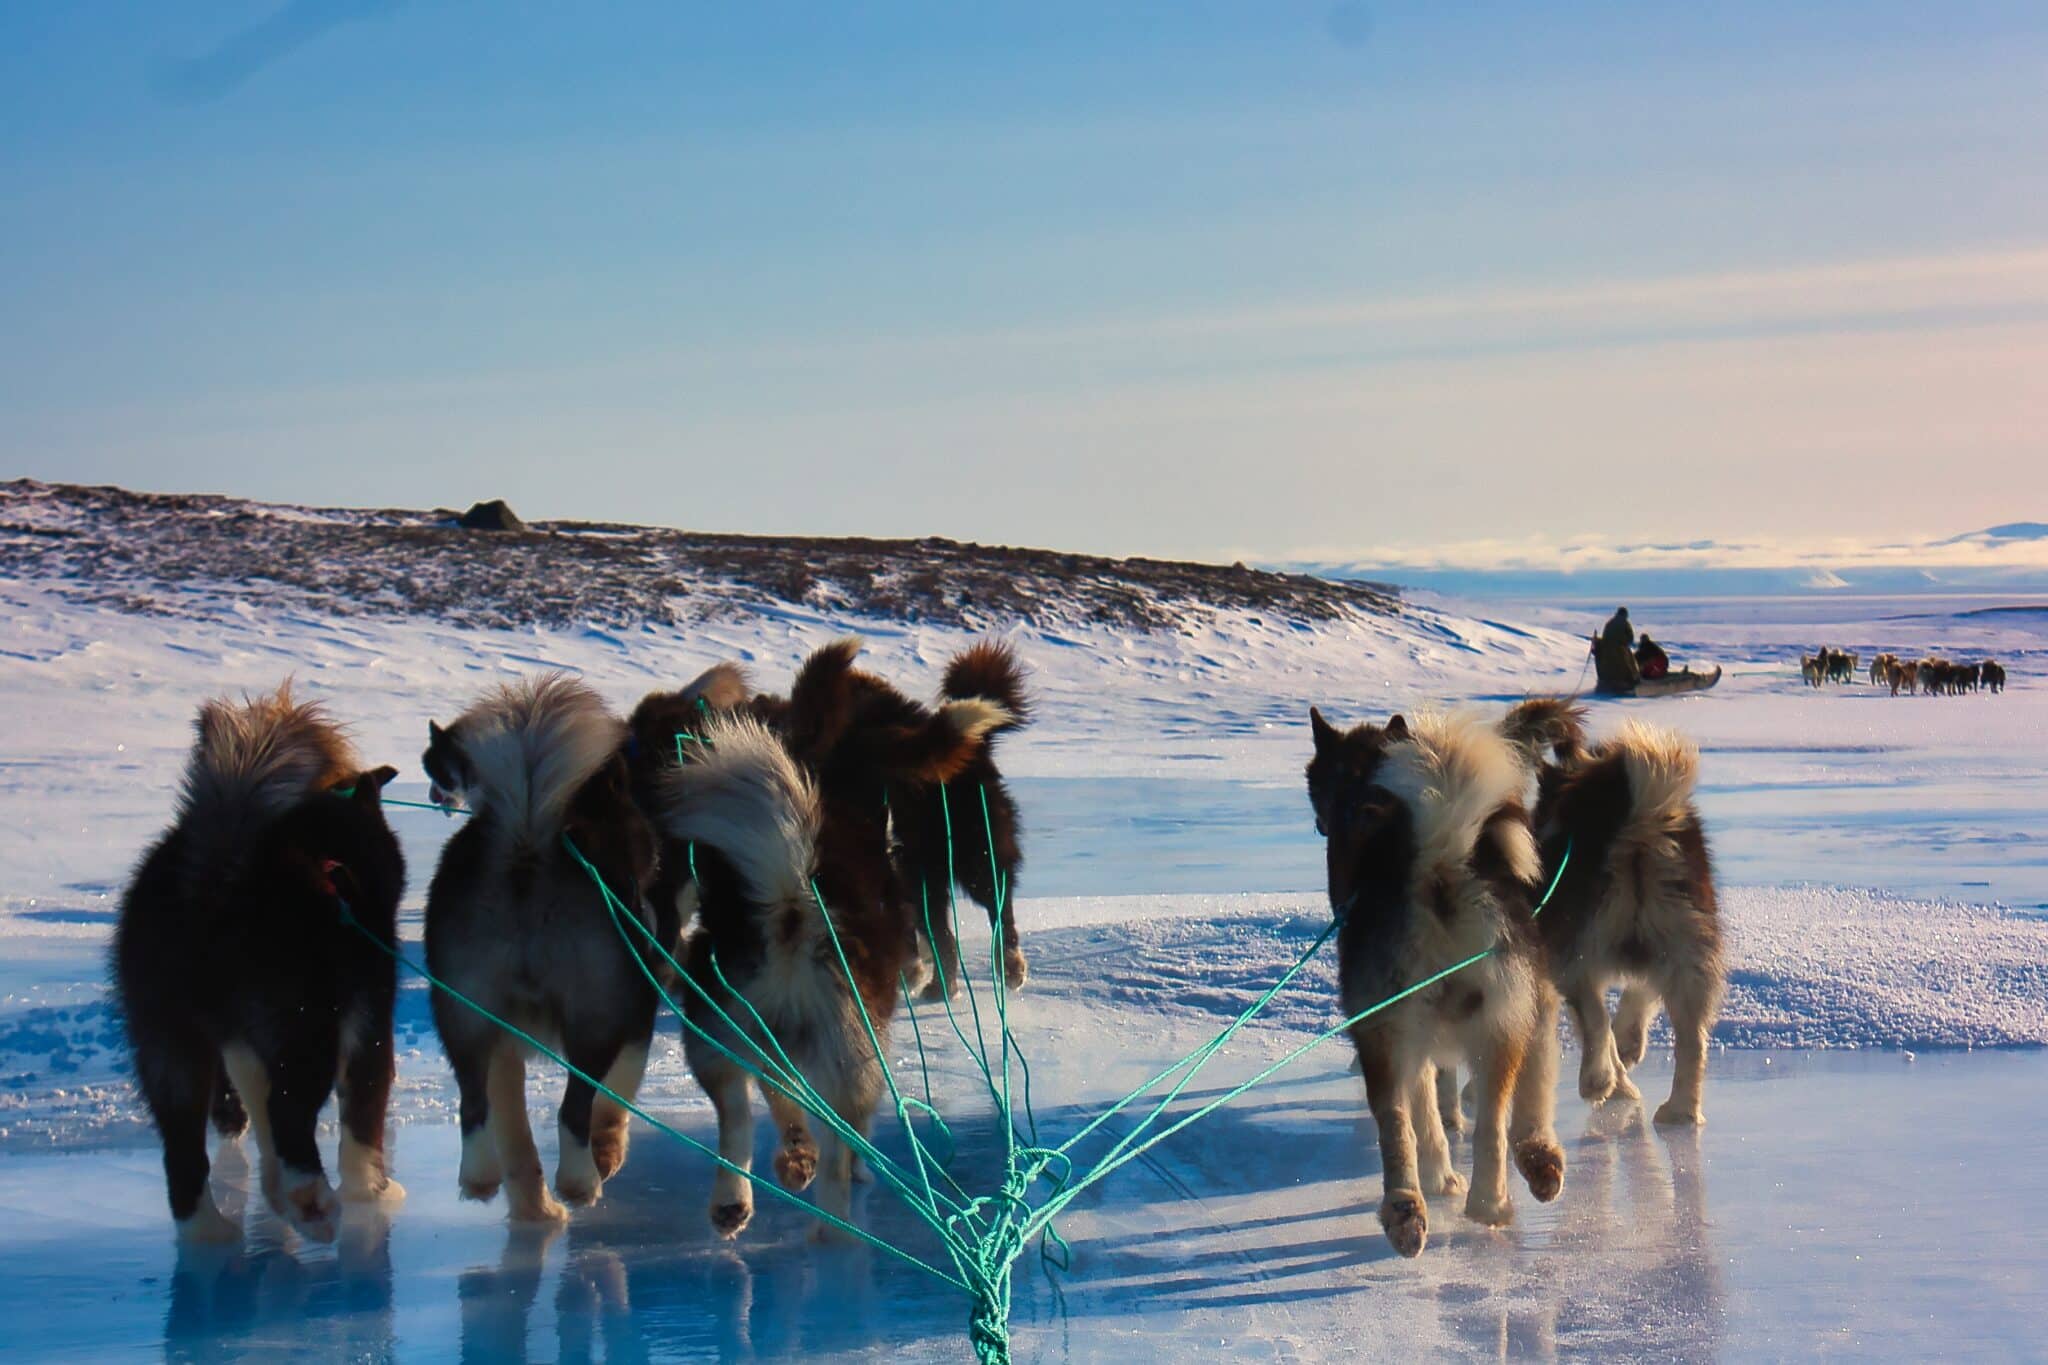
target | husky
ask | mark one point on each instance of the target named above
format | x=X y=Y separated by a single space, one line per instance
x=1431 y=859
x=983 y=853
x=1904 y=675
x=1811 y=670
x=1634 y=904
x=244 y=994
x=1881 y=669
x=1994 y=675
x=515 y=923
x=965 y=831
x=790 y=828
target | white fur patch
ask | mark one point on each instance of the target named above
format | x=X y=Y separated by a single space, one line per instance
x=742 y=794
x=1453 y=772
x=974 y=717
x=530 y=744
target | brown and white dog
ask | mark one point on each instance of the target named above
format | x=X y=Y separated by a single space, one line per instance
x=1431 y=860
x=790 y=827
x=1635 y=902
x=515 y=923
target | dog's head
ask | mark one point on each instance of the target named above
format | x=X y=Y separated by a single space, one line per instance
x=336 y=845
x=449 y=774
x=1354 y=811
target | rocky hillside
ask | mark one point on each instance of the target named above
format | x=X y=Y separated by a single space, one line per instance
x=172 y=553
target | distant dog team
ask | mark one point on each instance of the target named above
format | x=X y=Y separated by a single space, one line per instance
x=1931 y=676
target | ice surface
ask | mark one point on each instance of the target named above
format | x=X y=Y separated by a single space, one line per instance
x=1884 y=899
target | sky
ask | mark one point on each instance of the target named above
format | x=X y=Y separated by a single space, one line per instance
x=1272 y=281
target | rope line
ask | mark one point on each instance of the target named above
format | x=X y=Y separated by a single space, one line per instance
x=982 y=1235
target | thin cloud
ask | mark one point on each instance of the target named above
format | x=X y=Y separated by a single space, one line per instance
x=241 y=56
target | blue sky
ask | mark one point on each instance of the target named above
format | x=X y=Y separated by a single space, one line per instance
x=1271 y=280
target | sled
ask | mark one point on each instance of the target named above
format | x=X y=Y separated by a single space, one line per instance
x=1670 y=685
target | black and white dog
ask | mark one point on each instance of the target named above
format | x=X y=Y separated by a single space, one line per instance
x=243 y=993
x=515 y=923
x=1431 y=860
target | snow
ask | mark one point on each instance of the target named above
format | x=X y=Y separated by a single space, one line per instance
x=1884 y=897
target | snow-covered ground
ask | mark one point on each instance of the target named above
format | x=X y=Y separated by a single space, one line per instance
x=1885 y=894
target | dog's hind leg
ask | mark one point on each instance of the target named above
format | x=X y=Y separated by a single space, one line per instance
x=1404 y=1214
x=177 y=1075
x=732 y=1194
x=1600 y=1073
x=1497 y=1067
x=936 y=914
x=526 y=1190
x=1632 y=1023
x=469 y=1056
x=363 y=1087
x=796 y=1160
x=230 y=1119
x=1449 y=1112
x=1432 y=1148
x=576 y=1177
x=283 y=1097
x=1693 y=997
x=610 y=1128
x=1532 y=1131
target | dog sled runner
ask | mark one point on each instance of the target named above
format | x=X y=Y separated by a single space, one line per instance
x=1671 y=684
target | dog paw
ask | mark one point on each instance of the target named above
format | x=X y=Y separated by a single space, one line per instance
x=1015 y=971
x=1630 y=1047
x=1541 y=1162
x=608 y=1151
x=1678 y=1114
x=727 y=1220
x=1406 y=1220
x=482 y=1191
x=796 y=1167
x=578 y=1190
x=312 y=1208
x=936 y=990
x=1597 y=1082
x=1449 y=1184
x=540 y=1207
x=1491 y=1210
x=1453 y=1121
x=381 y=1190
x=208 y=1226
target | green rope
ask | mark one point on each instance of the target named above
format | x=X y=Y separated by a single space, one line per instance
x=984 y=1235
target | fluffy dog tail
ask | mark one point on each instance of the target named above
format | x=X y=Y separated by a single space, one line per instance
x=1455 y=774
x=744 y=795
x=721 y=687
x=1546 y=723
x=1663 y=772
x=530 y=745
x=989 y=669
x=251 y=762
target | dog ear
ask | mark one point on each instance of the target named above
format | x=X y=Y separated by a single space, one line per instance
x=370 y=785
x=1397 y=729
x=1325 y=734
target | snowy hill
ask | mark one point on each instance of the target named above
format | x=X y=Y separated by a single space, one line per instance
x=162 y=553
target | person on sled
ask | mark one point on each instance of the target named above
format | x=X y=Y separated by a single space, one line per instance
x=1651 y=660
x=1614 y=654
